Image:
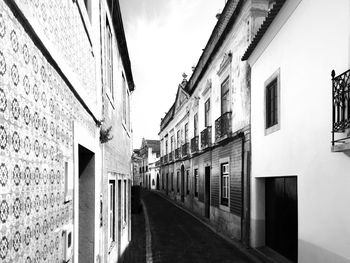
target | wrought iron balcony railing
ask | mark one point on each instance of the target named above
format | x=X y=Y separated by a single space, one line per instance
x=206 y=137
x=341 y=107
x=185 y=149
x=223 y=126
x=177 y=153
x=194 y=144
x=170 y=156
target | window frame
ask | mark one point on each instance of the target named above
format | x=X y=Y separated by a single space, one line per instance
x=187 y=182
x=224 y=161
x=207 y=119
x=109 y=61
x=277 y=126
x=224 y=93
x=112 y=221
x=224 y=188
x=195 y=125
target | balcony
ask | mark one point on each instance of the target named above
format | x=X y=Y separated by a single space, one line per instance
x=223 y=126
x=194 y=144
x=185 y=149
x=206 y=137
x=161 y=159
x=177 y=153
x=170 y=157
x=165 y=158
x=341 y=111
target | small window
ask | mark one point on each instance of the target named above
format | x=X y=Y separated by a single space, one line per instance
x=172 y=143
x=224 y=184
x=195 y=124
x=207 y=113
x=196 y=183
x=225 y=99
x=271 y=104
x=186 y=133
x=125 y=201
x=272 y=107
x=178 y=135
x=111 y=211
x=109 y=60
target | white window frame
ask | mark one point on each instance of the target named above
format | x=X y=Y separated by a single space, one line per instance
x=112 y=212
x=222 y=162
x=276 y=127
x=109 y=80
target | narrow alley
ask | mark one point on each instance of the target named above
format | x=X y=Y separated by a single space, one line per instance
x=176 y=236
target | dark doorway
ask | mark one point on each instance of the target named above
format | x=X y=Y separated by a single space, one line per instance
x=86 y=223
x=167 y=183
x=282 y=216
x=157 y=186
x=182 y=183
x=207 y=192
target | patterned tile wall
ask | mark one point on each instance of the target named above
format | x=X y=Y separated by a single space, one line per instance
x=37 y=110
x=63 y=26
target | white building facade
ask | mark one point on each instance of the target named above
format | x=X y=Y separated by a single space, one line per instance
x=299 y=179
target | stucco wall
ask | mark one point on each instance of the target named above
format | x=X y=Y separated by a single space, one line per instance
x=306 y=49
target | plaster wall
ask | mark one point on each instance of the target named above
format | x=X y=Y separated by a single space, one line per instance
x=305 y=50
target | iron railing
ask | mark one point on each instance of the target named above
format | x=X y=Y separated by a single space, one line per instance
x=206 y=137
x=194 y=144
x=341 y=106
x=223 y=126
x=185 y=149
x=177 y=153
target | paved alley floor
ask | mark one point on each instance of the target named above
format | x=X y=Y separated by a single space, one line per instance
x=178 y=237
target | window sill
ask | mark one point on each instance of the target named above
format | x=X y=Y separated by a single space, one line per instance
x=341 y=147
x=272 y=129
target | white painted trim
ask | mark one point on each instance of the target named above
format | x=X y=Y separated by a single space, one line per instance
x=222 y=161
x=277 y=126
x=84 y=138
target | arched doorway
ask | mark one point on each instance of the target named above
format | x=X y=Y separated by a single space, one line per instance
x=157 y=186
x=182 y=183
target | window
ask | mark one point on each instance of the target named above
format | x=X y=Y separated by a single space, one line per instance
x=125 y=201
x=271 y=104
x=195 y=124
x=140 y=170
x=172 y=143
x=109 y=60
x=196 y=185
x=207 y=113
x=146 y=168
x=187 y=181
x=172 y=181
x=178 y=135
x=225 y=100
x=111 y=212
x=166 y=147
x=272 y=108
x=186 y=133
x=224 y=184
x=178 y=181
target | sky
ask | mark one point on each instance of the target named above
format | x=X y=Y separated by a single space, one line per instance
x=165 y=39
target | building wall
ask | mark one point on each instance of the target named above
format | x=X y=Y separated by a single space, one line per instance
x=39 y=112
x=116 y=152
x=301 y=45
x=227 y=220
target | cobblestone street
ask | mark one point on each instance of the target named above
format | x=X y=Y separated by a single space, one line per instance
x=178 y=237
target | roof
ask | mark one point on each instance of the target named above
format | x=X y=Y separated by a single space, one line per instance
x=218 y=35
x=121 y=40
x=263 y=28
x=220 y=31
x=154 y=144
